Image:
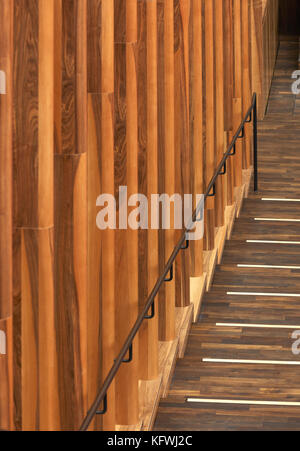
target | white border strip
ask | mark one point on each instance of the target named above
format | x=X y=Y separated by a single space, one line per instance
x=276 y=220
x=268 y=266
x=277 y=295
x=258 y=326
x=272 y=242
x=264 y=199
x=243 y=402
x=253 y=362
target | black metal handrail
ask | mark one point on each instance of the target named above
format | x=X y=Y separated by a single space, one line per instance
x=168 y=273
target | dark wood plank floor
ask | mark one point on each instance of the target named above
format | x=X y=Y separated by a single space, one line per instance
x=279 y=178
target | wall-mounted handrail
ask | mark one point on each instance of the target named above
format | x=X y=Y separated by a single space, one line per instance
x=167 y=274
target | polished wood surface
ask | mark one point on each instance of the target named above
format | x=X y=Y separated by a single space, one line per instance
x=101 y=244
x=6 y=248
x=210 y=119
x=126 y=174
x=279 y=179
x=35 y=381
x=166 y=154
x=182 y=46
x=70 y=206
x=148 y=176
x=107 y=93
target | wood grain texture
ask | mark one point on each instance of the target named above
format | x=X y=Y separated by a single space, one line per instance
x=107 y=93
x=101 y=244
x=70 y=275
x=237 y=88
x=247 y=88
x=182 y=35
x=126 y=174
x=148 y=177
x=197 y=126
x=94 y=247
x=210 y=111
x=26 y=28
x=6 y=51
x=228 y=93
x=6 y=247
x=35 y=367
x=70 y=206
x=39 y=368
x=166 y=153
x=220 y=126
x=71 y=84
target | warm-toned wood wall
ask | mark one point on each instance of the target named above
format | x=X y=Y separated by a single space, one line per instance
x=6 y=307
x=107 y=93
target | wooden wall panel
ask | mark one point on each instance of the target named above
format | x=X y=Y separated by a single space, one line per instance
x=70 y=286
x=247 y=88
x=6 y=23
x=228 y=91
x=107 y=93
x=220 y=126
x=237 y=88
x=126 y=174
x=148 y=177
x=166 y=155
x=257 y=49
x=6 y=54
x=183 y=33
x=70 y=203
x=101 y=244
x=196 y=126
x=210 y=120
x=34 y=332
x=270 y=47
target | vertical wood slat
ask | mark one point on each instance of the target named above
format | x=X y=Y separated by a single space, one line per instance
x=70 y=201
x=6 y=24
x=126 y=174
x=94 y=309
x=106 y=263
x=256 y=49
x=219 y=80
x=148 y=178
x=209 y=166
x=6 y=52
x=101 y=258
x=166 y=151
x=182 y=26
x=197 y=129
x=246 y=65
x=34 y=338
x=237 y=91
x=228 y=104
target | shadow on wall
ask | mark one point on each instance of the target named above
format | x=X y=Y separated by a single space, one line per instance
x=289 y=17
